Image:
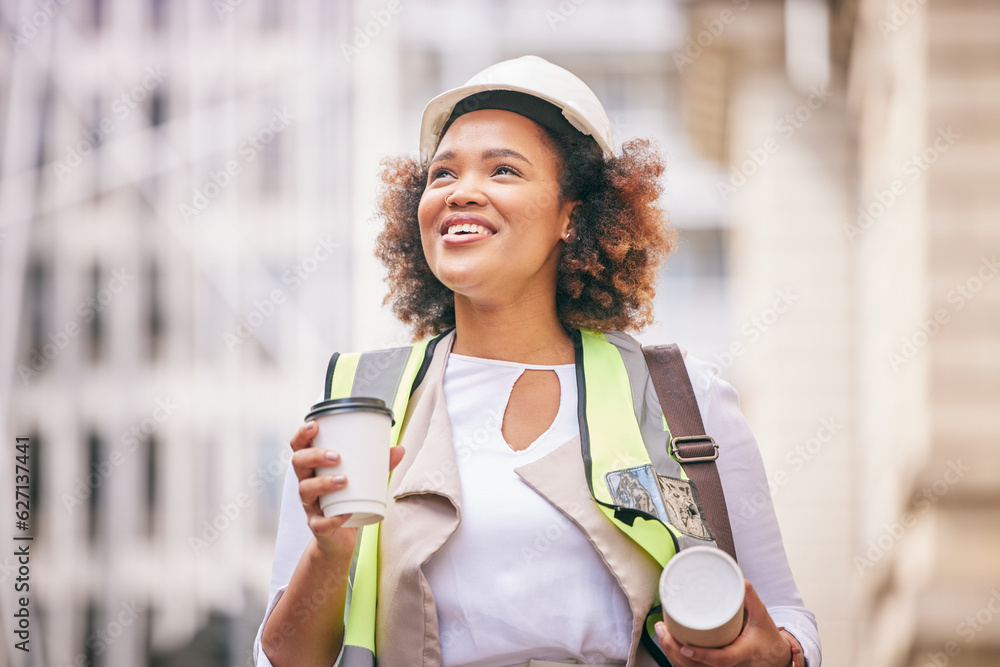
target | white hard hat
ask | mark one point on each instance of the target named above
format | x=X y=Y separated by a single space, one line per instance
x=527 y=77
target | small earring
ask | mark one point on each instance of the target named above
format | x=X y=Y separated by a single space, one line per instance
x=568 y=235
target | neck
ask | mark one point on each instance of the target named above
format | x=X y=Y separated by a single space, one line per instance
x=526 y=331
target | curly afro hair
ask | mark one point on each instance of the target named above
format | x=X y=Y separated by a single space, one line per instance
x=608 y=269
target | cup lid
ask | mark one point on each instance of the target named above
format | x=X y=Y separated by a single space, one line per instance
x=352 y=404
x=702 y=588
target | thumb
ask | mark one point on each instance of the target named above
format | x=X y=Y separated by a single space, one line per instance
x=753 y=604
x=396 y=455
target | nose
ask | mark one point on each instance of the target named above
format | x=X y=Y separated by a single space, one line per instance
x=466 y=193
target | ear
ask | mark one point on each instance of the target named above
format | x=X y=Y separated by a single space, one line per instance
x=566 y=219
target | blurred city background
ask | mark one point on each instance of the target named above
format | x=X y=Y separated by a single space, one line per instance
x=186 y=235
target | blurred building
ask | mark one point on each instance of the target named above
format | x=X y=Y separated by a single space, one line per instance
x=176 y=263
x=186 y=201
x=863 y=252
x=186 y=236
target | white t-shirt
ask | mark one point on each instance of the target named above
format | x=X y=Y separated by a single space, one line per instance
x=755 y=533
x=517 y=580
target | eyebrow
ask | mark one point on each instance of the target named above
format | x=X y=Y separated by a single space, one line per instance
x=487 y=154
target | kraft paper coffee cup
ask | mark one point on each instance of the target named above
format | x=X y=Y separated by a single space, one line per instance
x=702 y=590
x=359 y=430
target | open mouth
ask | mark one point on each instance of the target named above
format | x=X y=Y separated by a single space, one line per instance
x=462 y=230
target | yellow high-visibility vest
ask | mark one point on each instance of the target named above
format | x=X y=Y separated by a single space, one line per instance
x=622 y=428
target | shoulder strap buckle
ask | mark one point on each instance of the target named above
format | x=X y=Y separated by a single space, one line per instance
x=694 y=448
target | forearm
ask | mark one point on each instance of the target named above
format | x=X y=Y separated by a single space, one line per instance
x=306 y=626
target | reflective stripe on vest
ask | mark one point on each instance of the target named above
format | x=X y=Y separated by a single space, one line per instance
x=610 y=442
x=379 y=374
x=621 y=427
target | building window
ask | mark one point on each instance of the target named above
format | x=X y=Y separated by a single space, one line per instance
x=96 y=141
x=94 y=133
x=44 y=120
x=154 y=312
x=151 y=616
x=157 y=108
x=270 y=165
x=700 y=252
x=89 y=652
x=97 y=14
x=96 y=325
x=39 y=290
x=692 y=303
x=152 y=453
x=271 y=471
x=158 y=14
x=94 y=449
x=35 y=490
x=270 y=14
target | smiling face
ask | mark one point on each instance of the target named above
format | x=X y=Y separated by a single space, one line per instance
x=491 y=221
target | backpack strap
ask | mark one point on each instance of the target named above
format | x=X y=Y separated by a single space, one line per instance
x=689 y=444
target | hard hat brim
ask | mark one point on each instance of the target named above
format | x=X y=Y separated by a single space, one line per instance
x=439 y=109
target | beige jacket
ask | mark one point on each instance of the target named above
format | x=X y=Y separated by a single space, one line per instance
x=425 y=508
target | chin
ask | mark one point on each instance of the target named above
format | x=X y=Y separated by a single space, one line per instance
x=461 y=279
x=468 y=288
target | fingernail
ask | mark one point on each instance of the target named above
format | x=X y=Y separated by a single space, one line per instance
x=660 y=629
x=332 y=456
x=339 y=479
x=687 y=652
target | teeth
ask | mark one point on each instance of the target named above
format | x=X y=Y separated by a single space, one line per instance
x=469 y=228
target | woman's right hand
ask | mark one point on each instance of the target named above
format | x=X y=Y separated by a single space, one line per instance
x=332 y=538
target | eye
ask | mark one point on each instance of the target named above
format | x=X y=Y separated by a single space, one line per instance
x=439 y=173
x=506 y=170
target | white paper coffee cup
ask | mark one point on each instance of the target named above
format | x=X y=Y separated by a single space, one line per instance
x=357 y=428
x=702 y=592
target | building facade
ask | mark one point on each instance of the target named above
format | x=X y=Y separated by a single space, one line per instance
x=867 y=201
x=187 y=230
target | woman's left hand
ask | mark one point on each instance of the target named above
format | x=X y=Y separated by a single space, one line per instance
x=760 y=644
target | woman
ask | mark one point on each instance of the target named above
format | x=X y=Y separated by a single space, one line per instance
x=518 y=228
